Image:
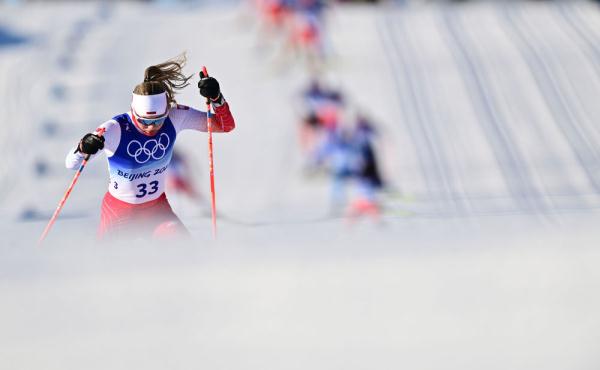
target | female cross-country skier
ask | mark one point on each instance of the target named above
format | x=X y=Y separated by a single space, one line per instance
x=139 y=145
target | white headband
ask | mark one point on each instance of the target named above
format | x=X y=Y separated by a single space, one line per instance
x=150 y=105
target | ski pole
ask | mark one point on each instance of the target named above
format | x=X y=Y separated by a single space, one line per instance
x=211 y=163
x=67 y=193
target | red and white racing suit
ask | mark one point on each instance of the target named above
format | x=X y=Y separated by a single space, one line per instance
x=135 y=203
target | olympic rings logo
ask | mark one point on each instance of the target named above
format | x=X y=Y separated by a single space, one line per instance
x=152 y=149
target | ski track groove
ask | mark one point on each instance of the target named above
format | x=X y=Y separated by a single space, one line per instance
x=419 y=149
x=432 y=155
x=502 y=102
x=435 y=171
x=510 y=161
x=533 y=118
x=592 y=51
x=425 y=119
x=542 y=192
x=575 y=100
x=553 y=97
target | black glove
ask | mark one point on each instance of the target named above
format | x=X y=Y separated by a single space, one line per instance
x=90 y=144
x=209 y=87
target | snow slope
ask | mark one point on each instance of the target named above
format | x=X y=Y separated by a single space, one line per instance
x=488 y=260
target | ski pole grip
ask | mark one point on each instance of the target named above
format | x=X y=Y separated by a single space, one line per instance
x=205 y=73
x=100 y=132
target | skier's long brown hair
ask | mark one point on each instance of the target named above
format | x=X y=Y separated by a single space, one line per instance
x=164 y=77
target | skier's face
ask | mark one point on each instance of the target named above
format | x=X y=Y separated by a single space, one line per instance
x=149 y=112
x=149 y=125
x=150 y=130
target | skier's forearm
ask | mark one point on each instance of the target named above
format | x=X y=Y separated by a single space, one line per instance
x=74 y=159
x=223 y=119
x=186 y=118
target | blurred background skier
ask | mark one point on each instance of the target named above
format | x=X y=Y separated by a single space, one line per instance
x=348 y=153
x=179 y=177
x=139 y=146
x=306 y=35
x=272 y=17
x=320 y=110
x=367 y=172
x=294 y=30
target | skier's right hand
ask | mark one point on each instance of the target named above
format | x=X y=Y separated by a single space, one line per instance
x=90 y=144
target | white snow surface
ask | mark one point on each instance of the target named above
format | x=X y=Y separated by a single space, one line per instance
x=486 y=260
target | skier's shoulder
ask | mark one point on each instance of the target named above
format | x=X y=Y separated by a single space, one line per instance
x=110 y=128
x=180 y=114
x=122 y=118
x=181 y=107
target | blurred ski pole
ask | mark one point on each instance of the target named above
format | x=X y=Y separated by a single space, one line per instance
x=204 y=74
x=64 y=198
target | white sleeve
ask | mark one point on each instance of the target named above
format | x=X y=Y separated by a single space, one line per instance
x=112 y=137
x=73 y=159
x=186 y=118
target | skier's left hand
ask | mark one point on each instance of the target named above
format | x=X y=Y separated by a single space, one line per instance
x=209 y=87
